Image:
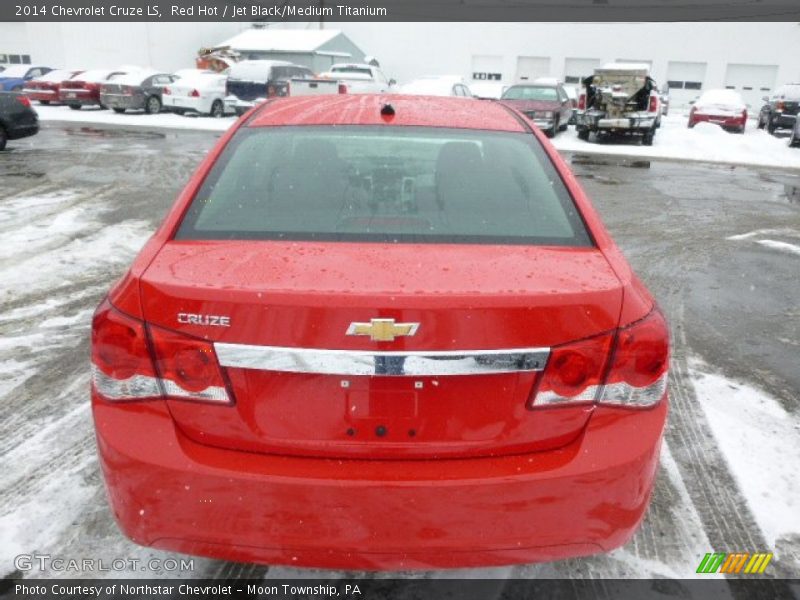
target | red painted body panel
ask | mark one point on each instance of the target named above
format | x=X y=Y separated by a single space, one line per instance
x=726 y=121
x=170 y=492
x=365 y=109
x=306 y=295
x=273 y=477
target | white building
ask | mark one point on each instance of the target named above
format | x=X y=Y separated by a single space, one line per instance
x=753 y=58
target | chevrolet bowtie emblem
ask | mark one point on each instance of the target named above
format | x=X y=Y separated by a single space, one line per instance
x=383 y=330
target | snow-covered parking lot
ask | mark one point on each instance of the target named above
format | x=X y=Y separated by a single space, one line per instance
x=675 y=141
x=718 y=245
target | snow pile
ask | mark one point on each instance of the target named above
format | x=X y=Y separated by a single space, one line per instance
x=96 y=116
x=780 y=245
x=761 y=442
x=706 y=142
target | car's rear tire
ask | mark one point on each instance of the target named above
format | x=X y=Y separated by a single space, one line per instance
x=3 y=138
x=564 y=127
x=217 y=109
x=760 y=122
x=152 y=106
x=119 y=111
x=793 y=141
x=179 y=111
x=771 y=127
x=75 y=106
x=583 y=134
x=648 y=137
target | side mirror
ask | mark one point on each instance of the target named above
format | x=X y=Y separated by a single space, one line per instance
x=392 y=82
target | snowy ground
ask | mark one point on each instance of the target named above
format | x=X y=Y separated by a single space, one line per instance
x=717 y=245
x=675 y=141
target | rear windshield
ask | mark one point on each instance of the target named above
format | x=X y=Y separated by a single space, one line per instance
x=527 y=92
x=353 y=70
x=384 y=184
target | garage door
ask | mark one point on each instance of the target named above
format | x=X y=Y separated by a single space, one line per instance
x=751 y=81
x=685 y=81
x=532 y=67
x=576 y=69
x=487 y=67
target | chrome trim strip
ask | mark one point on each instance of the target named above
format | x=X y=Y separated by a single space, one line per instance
x=359 y=362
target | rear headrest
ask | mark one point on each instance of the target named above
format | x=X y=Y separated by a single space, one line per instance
x=315 y=153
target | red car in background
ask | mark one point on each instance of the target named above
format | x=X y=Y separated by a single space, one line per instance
x=45 y=89
x=84 y=90
x=380 y=332
x=725 y=108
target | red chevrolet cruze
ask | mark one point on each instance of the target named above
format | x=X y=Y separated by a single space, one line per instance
x=380 y=332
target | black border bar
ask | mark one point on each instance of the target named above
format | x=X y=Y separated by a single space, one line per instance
x=399 y=10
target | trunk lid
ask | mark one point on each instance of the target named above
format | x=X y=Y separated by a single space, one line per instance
x=283 y=295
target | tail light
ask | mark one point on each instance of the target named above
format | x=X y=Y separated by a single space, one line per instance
x=627 y=369
x=127 y=365
x=194 y=94
x=24 y=100
x=780 y=105
x=128 y=90
x=653 y=107
x=342 y=88
x=167 y=91
x=188 y=367
x=582 y=102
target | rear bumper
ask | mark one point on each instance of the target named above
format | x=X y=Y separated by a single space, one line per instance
x=635 y=123
x=41 y=95
x=122 y=101
x=171 y=493
x=201 y=105
x=78 y=97
x=784 y=121
x=722 y=121
x=24 y=130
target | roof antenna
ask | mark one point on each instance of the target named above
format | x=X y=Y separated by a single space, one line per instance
x=387 y=110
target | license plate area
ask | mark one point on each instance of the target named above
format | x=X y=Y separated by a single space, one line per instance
x=363 y=405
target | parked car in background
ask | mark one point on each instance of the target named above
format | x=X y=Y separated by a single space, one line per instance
x=545 y=103
x=84 y=90
x=138 y=90
x=725 y=108
x=487 y=90
x=45 y=89
x=781 y=109
x=253 y=81
x=437 y=85
x=361 y=78
x=17 y=118
x=202 y=92
x=619 y=99
x=14 y=78
x=183 y=73
x=365 y=419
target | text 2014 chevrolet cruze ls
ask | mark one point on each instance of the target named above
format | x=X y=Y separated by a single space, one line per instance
x=380 y=332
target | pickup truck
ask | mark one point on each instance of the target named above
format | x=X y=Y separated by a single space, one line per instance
x=619 y=98
x=315 y=87
x=360 y=78
x=253 y=81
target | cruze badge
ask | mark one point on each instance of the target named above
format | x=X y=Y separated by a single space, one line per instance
x=210 y=320
x=383 y=330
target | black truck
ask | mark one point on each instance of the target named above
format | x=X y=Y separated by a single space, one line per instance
x=17 y=118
